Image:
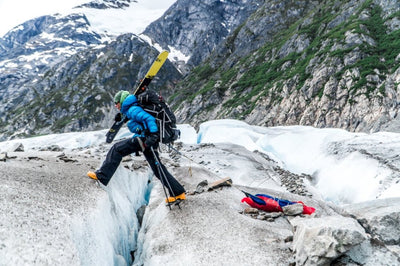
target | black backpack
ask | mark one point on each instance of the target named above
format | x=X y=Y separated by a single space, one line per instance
x=155 y=105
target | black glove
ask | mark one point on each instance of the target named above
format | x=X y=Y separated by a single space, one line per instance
x=118 y=117
x=151 y=140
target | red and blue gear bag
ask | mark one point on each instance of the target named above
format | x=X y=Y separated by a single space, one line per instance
x=270 y=204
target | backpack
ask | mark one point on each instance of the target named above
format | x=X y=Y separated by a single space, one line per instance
x=155 y=105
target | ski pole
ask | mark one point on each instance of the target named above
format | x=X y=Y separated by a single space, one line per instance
x=163 y=175
x=161 y=178
x=141 y=144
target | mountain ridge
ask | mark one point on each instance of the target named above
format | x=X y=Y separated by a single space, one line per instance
x=77 y=70
x=323 y=69
x=324 y=64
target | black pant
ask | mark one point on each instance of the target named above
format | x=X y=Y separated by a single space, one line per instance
x=126 y=147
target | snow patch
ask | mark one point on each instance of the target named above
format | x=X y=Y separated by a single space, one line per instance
x=177 y=55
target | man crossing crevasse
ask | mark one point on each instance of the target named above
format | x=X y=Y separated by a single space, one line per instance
x=145 y=139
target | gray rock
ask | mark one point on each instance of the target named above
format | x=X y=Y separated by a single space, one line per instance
x=319 y=241
x=251 y=211
x=270 y=215
x=370 y=253
x=51 y=148
x=293 y=209
x=380 y=218
x=140 y=214
x=197 y=28
x=201 y=187
x=17 y=147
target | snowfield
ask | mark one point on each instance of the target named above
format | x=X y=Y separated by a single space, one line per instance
x=51 y=213
x=133 y=19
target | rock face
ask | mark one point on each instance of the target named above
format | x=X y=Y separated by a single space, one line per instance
x=196 y=28
x=319 y=63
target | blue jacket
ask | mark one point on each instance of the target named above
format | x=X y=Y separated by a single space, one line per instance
x=137 y=115
x=136 y=128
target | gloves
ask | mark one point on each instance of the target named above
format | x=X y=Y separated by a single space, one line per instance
x=118 y=117
x=152 y=140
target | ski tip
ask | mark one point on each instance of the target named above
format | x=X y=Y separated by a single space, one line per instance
x=162 y=56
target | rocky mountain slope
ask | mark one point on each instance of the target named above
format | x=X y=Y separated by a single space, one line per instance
x=320 y=63
x=27 y=53
x=106 y=4
x=59 y=75
x=76 y=93
x=196 y=28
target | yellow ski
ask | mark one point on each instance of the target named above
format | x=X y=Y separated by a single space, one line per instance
x=155 y=67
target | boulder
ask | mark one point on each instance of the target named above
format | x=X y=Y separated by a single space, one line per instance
x=293 y=209
x=369 y=252
x=17 y=147
x=201 y=187
x=319 y=241
x=381 y=218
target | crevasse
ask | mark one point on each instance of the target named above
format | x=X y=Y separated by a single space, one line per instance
x=108 y=234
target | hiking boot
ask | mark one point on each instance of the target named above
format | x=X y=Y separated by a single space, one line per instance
x=92 y=175
x=176 y=198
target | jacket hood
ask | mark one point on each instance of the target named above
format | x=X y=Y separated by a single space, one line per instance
x=128 y=102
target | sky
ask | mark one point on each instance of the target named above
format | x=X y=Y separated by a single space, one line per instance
x=15 y=12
